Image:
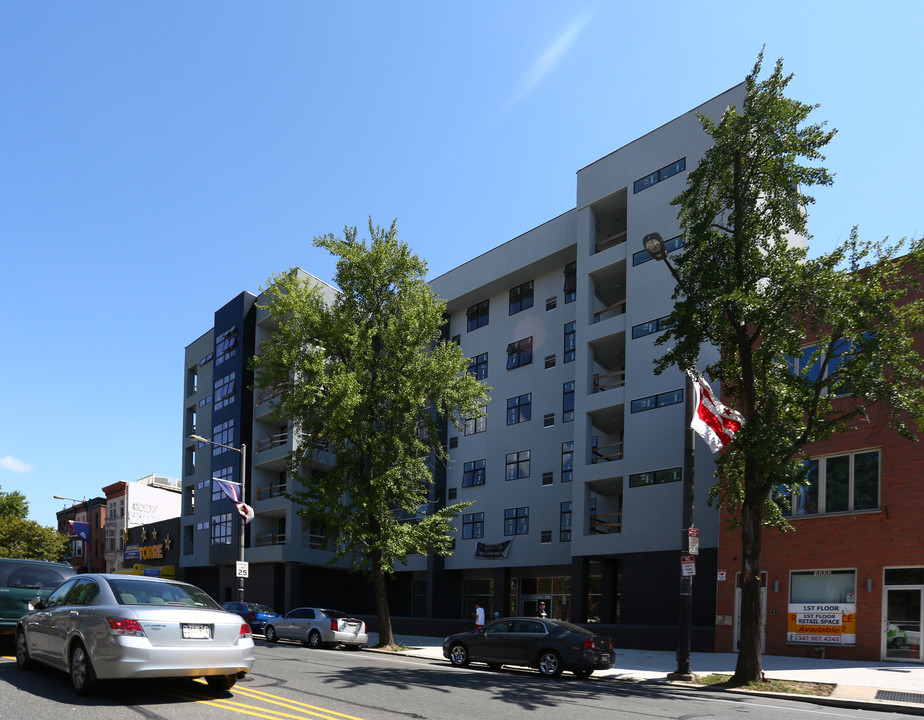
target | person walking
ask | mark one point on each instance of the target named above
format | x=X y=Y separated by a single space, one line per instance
x=479 y=616
x=542 y=612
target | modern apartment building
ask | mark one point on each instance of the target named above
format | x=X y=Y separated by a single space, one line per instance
x=573 y=471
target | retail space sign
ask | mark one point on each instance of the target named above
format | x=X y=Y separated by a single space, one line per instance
x=822 y=623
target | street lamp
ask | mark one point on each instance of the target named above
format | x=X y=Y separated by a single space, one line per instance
x=240 y=555
x=655 y=246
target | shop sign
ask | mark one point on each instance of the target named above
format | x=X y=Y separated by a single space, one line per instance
x=822 y=623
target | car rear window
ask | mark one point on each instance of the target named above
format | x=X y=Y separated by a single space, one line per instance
x=335 y=614
x=140 y=592
x=33 y=576
x=261 y=608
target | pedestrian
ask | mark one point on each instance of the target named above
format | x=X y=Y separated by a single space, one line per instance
x=542 y=612
x=479 y=616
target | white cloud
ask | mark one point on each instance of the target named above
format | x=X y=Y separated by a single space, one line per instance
x=14 y=464
x=552 y=56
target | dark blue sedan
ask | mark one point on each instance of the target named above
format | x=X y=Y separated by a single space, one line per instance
x=254 y=614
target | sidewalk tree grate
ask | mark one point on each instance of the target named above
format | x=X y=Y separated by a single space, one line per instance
x=895 y=696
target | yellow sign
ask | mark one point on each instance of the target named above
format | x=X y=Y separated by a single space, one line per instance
x=823 y=624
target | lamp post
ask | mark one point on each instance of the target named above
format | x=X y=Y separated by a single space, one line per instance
x=240 y=555
x=655 y=246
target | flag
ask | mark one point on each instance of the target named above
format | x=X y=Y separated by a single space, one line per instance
x=715 y=423
x=81 y=530
x=232 y=490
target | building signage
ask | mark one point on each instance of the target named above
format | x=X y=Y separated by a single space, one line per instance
x=131 y=552
x=822 y=624
x=495 y=551
x=152 y=552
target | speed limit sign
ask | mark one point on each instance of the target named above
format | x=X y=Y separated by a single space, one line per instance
x=243 y=569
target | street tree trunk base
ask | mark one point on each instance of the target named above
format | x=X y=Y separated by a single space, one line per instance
x=683 y=677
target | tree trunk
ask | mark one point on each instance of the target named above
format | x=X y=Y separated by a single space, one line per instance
x=386 y=639
x=749 y=667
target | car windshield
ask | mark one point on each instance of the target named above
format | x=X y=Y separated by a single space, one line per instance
x=141 y=592
x=34 y=577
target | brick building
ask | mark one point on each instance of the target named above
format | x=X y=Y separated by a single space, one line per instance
x=849 y=582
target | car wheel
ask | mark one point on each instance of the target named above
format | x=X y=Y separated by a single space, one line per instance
x=458 y=655
x=550 y=663
x=23 y=659
x=221 y=682
x=582 y=674
x=270 y=634
x=83 y=678
x=314 y=639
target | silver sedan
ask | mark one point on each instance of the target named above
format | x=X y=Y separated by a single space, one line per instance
x=104 y=627
x=316 y=627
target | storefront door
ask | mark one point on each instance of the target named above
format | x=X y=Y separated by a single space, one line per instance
x=903 y=623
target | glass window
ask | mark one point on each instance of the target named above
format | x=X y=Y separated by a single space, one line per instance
x=472 y=526
x=521 y=297
x=477 y=315
x=517 y=466
x=570 y=341
x=564 y=523
x=836 y=483
x=473 y=473
x=655 y=477
x=478 y=366
x=567 y=461
x=519 y=409
x=545 y=537
x=221 y=529
x=570 y=282
x=516 y=521
x=567 y=402
x=548 y=420
x=224 y=391
x=549 y=362
x=657 y=176
x=551 y=303
x=226 y=345
x=519 y=353
x=822 y=586
x=651 y=327
x=479 y=424
x=548 y=478
x=672 y=397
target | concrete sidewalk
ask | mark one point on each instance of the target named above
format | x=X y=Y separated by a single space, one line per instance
x=879 y=686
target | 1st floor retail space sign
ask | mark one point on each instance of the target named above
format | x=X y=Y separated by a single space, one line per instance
x=822 y=623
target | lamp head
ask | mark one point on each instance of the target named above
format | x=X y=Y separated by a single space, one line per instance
x=654 y=244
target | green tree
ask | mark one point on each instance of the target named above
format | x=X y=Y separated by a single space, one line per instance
x=366 y=376
x=13 y=504
x=745 y=290
x=21 y=538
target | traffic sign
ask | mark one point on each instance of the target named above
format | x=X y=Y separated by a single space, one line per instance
x=243 y=569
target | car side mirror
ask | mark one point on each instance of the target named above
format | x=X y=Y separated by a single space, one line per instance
x=37 y=603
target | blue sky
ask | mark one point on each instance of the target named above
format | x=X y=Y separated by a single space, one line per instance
x=156 y=159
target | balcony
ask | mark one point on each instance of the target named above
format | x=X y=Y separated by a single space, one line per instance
x=609 y=380
x=270 y=539
x=271 y=491
x=606 y=524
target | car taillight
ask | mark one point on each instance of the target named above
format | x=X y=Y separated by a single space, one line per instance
x=125 y=626
x=590 y=644
x=335 y=625
x=250 y=616
x=611 y=645
x=245 y=631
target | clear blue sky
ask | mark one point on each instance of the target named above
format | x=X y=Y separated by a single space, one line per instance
x=159 y=158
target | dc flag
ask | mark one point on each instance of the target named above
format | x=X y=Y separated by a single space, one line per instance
x=715 y=423
x=81 y=530
x=233 y=491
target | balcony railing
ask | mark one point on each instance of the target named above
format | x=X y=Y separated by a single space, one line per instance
x=272 y=441
x=267 y=394
x=608 y=242
x=610 y=380
x=607 y=453
x=271 y=539
x=271 y=491
x=606 y=524
x=617 y=308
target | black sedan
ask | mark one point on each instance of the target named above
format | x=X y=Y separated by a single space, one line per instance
x=548 y=645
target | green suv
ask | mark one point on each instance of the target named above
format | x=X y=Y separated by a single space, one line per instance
x=21 y=581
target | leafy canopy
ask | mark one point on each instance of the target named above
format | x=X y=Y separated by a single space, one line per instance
x=21 y=538
x=747 y=287
x=13 y=504
x=362 y=377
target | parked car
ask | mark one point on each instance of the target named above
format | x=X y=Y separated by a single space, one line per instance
x=21 y=582
x=316 y=627
x=254 y=614
x=102 y=627
x=548 y=645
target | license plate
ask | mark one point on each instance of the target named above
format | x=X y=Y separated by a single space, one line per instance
x=197 y=632
x=605 y=657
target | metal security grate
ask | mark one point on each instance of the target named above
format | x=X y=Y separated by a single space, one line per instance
x=905 y=697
